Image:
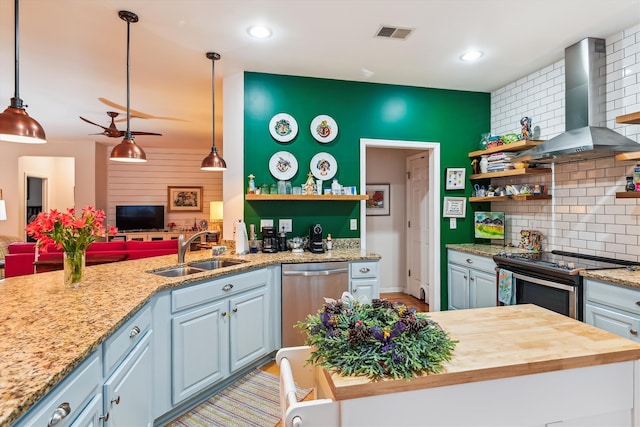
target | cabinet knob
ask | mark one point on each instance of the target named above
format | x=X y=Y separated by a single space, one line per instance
x=633 y=332
x=465 y=276
x=116 y=400
x=224 y=314
x=235 y=310
x=364 y=270
x=104 y=417
x=638 y=303
x=472 y=278
x=469 y=261
x=59 y=414
x=227 y=287
x=355 y=290
x=134 y=332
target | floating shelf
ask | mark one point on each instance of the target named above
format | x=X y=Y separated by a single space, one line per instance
x=628 y=195
x=629 y=119
x=511 y=172
x=516 y=197
x=523 y=144
x=305 y=197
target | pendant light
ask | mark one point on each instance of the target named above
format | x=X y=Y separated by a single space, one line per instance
x=127 y=150
x=213 y=162
x=15 y=123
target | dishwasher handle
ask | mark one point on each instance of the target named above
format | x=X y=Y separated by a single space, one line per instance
x=315 y=273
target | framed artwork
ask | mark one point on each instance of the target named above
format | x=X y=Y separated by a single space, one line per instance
x=184 y=199
x=379 y=199
x=488 y=225
x=454 y=179
x=455 y=207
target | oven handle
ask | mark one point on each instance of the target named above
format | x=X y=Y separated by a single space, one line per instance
x=545 y=282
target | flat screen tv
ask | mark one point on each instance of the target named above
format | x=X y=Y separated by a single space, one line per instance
x=133 y=218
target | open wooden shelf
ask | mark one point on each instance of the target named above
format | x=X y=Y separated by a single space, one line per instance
x=512 y=197
x=628 y=195
x=305 y=197
x=511 y=172
x=629 y=119
x=523 y=144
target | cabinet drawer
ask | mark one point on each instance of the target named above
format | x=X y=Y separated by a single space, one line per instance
x=477 y=262
x=364 y=270
x=75 y=391
x=205 y=292
x=621 y=297
x=124 y=339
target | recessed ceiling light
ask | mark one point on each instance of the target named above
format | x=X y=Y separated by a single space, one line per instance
x=259 y=32
x=471 y=55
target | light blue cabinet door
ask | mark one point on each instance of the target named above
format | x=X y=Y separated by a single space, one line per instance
x=458 y=287
x=365 y=290
x=617 y=322
x=128 y=392
x=483 y=289
x=90 y=416
x=200 y=349
x=249 y=326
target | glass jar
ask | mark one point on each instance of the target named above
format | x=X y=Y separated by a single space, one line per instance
x=274 y=189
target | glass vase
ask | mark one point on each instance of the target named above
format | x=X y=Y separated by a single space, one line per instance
x=74 y=263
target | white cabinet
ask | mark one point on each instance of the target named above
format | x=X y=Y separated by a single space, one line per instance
x=472 y=281
x=218 y=326
x=364 y=283
x=613 y=308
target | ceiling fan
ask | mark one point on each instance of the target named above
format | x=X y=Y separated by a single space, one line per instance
x=112 y=131
x=136 y=113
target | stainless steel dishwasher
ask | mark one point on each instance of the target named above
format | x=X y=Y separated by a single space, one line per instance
x=304 y=288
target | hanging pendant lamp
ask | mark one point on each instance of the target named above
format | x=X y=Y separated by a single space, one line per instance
x=213 y=162
x=15 y=123
x=127 y=150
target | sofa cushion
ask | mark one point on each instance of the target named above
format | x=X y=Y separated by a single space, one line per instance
x=133 y=245
x=107 y=246
x=22 y=248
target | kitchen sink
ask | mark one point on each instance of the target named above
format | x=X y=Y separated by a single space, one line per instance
x=178 y=271
x=214 y=264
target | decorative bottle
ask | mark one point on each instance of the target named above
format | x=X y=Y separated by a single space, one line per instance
x=329 y=242
x=484 y=164
x=252 y=185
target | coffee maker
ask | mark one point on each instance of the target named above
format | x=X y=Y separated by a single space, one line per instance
x=269 y=241
x=315 y=239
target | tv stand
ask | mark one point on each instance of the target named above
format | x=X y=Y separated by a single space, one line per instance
x=146 y=236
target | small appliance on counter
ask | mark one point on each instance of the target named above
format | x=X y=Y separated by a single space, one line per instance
x=315 y=239
x=269 y=241
x=242 y=240
x=282 y=241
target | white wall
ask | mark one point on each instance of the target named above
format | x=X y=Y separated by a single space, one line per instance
x=584 y=215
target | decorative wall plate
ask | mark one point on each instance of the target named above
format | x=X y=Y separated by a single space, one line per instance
x=323 y=166
x=283 y=165
x=324 y=129
x=283 y=127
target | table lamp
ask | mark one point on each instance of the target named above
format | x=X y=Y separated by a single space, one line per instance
x=215 y=216
x=3 y=208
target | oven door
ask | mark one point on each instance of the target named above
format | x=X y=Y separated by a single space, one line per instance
x=563 y=298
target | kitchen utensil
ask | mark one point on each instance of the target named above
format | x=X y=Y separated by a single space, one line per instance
x=296 y=244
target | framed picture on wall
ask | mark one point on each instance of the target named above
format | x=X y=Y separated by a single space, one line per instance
x=379 y=199
x=455 y=207
x=454 y=179
x=184 y=199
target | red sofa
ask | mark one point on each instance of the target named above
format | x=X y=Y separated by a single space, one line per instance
x=21 y=257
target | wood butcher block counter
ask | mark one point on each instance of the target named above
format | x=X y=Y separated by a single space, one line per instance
x=505 y=356
x=47 y=329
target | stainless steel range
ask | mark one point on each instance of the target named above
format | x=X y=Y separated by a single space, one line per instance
x=552 y=279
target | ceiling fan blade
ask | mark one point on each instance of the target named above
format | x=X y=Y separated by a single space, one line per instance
x=95 y=124
x=145 y=133
x=124 y=119
x=136 y=113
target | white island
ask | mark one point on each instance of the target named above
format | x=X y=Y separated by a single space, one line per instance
x=513 y=366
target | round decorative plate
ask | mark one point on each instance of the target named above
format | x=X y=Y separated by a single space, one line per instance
x=283 y=165
x=323 y=166
x=324 y=129
x=283 y=127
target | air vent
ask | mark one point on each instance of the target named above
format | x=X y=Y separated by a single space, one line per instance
x=389 y=32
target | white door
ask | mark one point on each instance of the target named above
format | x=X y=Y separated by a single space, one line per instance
x=418 y=262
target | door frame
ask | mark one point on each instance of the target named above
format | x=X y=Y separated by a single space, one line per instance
x=433 y=149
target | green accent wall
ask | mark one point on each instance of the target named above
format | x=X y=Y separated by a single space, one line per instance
x=455 y=119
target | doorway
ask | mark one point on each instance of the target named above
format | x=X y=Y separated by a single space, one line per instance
x=36 y=190
x=430 y=260
x=417 y=225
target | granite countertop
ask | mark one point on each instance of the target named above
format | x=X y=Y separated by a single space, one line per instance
x=503 y=342
x=483 y=249
x=619 y=276
x=48 y=329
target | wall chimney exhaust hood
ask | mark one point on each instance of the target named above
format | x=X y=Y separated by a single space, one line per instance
x=586 y=135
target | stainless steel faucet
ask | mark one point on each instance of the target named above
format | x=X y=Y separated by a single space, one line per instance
x=184 y=246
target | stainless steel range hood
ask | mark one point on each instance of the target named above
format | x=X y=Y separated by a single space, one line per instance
x=586 y=136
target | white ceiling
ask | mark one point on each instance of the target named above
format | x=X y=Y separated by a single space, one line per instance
x=73 y=52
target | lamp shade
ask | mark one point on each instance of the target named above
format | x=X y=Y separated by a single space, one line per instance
x=128 y=151
x=213 y=162
x=215 y=211
x=3 y=211
x=17 y=126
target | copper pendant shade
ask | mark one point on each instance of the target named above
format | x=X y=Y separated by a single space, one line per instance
x=127 y=150
x=15 y=123
x=213 y=162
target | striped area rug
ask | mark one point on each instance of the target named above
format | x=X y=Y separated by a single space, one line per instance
x=252 y=401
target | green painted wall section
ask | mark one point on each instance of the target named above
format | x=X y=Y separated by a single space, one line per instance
x=455 y=119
